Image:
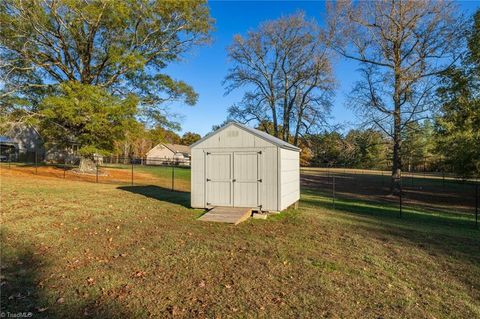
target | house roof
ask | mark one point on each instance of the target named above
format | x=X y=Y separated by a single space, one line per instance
x=178 y=148
x=269 y=138
x=7 y=140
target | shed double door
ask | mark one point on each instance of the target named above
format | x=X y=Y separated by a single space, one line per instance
x=232 y=178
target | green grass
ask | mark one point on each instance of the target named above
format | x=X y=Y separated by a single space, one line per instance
x=76 y=249
x=430 y=194
x=181 y=173
x=410 y=217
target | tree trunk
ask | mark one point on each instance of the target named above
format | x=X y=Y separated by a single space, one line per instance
x=275 y=122
x=397 y=161
x=126 y=149
x=397 y=139
x=297 y=128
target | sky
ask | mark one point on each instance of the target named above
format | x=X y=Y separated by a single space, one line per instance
x=205 y=67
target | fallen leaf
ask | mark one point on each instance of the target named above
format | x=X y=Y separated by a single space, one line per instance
x=139 y=274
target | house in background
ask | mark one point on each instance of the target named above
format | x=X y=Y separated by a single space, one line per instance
x=27 y=138
x=27 y=143
x=8 y=149
x=165 y=153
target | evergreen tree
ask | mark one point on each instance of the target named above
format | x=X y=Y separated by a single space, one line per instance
x=458 y=126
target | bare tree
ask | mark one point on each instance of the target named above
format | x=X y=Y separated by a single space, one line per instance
x=285 y=68
x=402 y=46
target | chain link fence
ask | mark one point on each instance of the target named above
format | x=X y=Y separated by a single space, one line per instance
x=166 y=173
x=434 y=193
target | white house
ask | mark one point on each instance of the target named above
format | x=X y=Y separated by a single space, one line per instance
x=168 y=153
x=239 y=166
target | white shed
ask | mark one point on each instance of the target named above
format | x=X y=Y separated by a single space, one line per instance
x=239 y=166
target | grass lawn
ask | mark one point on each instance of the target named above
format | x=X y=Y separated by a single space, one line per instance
x=430 y=192
x=74 y=249
x=182 y=173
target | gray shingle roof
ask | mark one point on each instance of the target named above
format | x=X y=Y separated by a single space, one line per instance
x=269 y=138
x=178 y=148
x=7 y=140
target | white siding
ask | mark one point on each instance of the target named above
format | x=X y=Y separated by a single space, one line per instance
x=268 y=188
x=233 y=137
x=198 y=179
x=267 y=196
x=278 y=168
x=289 y=177
x=157 y=154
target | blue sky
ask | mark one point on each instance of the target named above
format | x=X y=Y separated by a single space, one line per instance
x=205 y=67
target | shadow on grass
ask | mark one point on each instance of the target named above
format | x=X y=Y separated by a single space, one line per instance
x=25 y=284
x=160 y=193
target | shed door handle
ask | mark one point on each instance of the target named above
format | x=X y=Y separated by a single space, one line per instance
x=208 y=179
x=234 y=180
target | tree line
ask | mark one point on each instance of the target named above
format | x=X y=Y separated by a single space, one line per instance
x=418 y=66
x=92 y=74
x=372 y=149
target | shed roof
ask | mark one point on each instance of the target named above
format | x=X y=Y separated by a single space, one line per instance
x=7 y=140
x=178 y=148
x=269 y=138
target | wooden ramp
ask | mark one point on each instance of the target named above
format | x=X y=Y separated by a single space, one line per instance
x=231 y=215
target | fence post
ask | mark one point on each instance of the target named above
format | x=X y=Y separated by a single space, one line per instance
x=36 y=171
x=333 y=189
x=132 y=172
x=96 y=178
x=64 y=167
x=400 y=196
x=424 y=167
x=173 y=177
